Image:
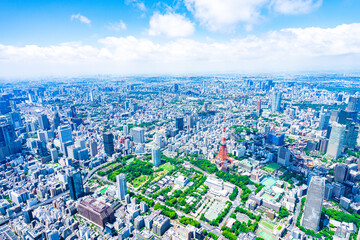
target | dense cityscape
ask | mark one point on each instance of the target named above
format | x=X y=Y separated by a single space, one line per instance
x=201 y=157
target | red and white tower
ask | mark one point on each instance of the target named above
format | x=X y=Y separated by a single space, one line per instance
x=223 y=159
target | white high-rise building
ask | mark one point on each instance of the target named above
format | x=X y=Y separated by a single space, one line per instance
x=156 y=156
x=313 y=204
x=336 y=140
x=121 y=186
x=159 y=140
x=126 y=130
x=138 y=134
x=127 y=144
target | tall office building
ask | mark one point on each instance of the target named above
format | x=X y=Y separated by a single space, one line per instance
x=156 y=156
x=57 y=120
x=175 y=88
x=343 y=117
x=159 y=140
x=323 y=144
x=8 y=143
x=341 y=172
x=352 y=133
x=283 y=156
x=313 y=204
x=73 y=111
x=324 y=121
x=108 y=143
x=276 y=102
x=190 y=121
x=127 y=144
x=126 y=130
x=138 y=134
x=121 y=186
x=179 y=123
x=338 y=190
x=336 y=141
x=328 y=191
x=93 y=148
x=44 y=122
x=75 y=186
x=354 y=104
x=65 y=135
x=65 y=146
x=28 y=217
x=54 y=155
x=15 y=119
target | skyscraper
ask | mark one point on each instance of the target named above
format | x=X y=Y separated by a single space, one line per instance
x=93 y=148
x=108 y=143
x=73 y=111
x=138 y=134
x=126 y=129
x=276 y=102
x=341 y=172
x=57 y=120
x=313 y=204
x=336 y=141
x=54 y=155
x=156 y=156
x=8 y=143
x=179 y=123
x=328 y=191
x=75 y=186
x=324 y=121
x=28 y=217
x=283 y=156
x=65 y=135
x=323 y=145
x=175 y=88
x=15 y=119
x=351 y=135
x=44 y=122
x=190 y=121
x=354 y=104
x=121 y=186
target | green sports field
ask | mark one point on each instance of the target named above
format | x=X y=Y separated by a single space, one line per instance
x=272 y=167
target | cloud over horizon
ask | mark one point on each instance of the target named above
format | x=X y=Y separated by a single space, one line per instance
x=290 y=49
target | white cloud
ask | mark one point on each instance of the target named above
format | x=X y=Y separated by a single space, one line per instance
x=80 y=18
x=295 y=6
x=118 y=26
x=292 y=49
x=170 y=25
x=220 y=14
x=137 y=3
x=226 y=14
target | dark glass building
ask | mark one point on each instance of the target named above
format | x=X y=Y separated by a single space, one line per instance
x=179 y=123
x=75 y=186
x=108 y=143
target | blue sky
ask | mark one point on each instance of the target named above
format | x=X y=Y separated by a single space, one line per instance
x=186 y=36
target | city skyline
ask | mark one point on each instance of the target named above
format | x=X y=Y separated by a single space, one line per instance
x=132 y=37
